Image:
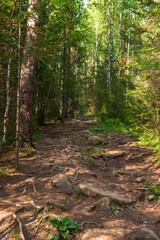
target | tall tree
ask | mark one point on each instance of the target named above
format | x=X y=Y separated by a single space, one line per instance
x=6 y=115
x=28 y=74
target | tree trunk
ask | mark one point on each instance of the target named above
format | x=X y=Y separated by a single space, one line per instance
x=27 y=76
x=18 y=87
x=109 y=47
x=6 y=114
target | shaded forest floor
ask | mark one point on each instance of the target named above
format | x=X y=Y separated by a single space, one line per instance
x=73 y=155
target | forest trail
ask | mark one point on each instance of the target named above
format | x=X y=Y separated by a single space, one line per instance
x=102 y=165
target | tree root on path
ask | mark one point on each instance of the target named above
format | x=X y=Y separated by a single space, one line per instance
x=20 y=226
x=73 y=178
x=14 y=215
x=52 y=165
x=34 y=187
x=85 y=222
x=156 y=206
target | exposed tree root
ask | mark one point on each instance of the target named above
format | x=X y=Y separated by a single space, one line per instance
x=85 y=222
x=20 y=226
x=156 y=206
x=24 y=191
x=7 y=231
x=54 y=166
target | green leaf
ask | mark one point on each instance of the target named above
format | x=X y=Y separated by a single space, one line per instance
x=72 y=225
x=54 y=222
x=56 y=237
x=40 y=209
x=62 y=228
x=65 y=220
x=65 y=234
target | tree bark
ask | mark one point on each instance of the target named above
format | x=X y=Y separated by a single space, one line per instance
x=18 y=87
x=27 y=76
x=6 y=114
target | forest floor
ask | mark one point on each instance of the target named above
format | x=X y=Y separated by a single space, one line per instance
x=103 y=165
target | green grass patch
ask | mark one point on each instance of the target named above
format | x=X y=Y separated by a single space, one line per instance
x=111 y=124
x=142 y=134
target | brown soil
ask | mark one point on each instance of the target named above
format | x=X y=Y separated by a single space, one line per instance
x=65 y=149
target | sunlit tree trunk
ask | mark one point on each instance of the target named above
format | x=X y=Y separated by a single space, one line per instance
x=18 y=88
x=112 y=44
x=109 y=46
x=106 y=41
x=128 y=56
x=6 y=114
x=72 y=87
x=27 y=76
x=120 y=38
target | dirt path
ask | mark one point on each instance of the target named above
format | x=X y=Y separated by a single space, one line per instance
x=109 y=164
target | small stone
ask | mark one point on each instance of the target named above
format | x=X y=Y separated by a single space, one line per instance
x=62 y=183
x=145 y=234
x=140 y=179
x=93 y=140
x=57 y=205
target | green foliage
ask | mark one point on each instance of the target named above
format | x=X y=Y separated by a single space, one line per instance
x=146 y=136
x=65 y=226
x=87 y=136
x=152 y=188
x=112 y=124
x=37 y=134
x=9 y=143
x=27 y=151
x=91 y=163
x=77 y=192
x=157 y=160
x=84 y=152
x=116 y=209
x=3 y=173
x=77 y=141
x=117 y=172
x=97 y=130
x=40 y=209
x=98 y=153
x=98 y=203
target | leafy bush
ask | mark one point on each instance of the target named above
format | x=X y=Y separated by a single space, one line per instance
x=65 y=226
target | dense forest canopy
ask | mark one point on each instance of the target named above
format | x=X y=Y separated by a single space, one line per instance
x=97 y=57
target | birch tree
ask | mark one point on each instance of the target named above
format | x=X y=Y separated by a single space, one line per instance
x=18 y=86
x=6 y=115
